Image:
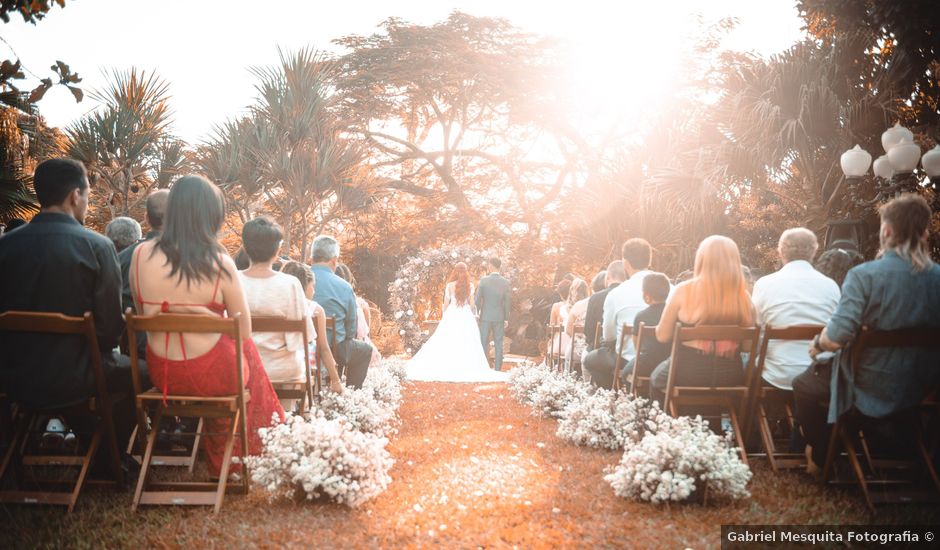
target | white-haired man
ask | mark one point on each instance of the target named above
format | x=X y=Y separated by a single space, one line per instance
x=337 y=299
x=795 y=295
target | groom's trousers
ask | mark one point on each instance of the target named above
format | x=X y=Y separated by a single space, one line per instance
x=496 y=329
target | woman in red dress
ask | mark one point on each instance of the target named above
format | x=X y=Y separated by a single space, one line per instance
x=186 y=270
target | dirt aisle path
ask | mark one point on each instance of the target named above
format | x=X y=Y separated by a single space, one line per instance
x=473 y=469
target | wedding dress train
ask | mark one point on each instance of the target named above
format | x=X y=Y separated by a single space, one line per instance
x=454 y=352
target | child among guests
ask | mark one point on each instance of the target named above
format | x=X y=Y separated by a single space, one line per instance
x=315 y=311
x=654 y=352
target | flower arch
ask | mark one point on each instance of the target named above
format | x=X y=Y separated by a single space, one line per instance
x=429 y=267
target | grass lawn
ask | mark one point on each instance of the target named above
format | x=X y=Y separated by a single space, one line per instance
x=473 y=468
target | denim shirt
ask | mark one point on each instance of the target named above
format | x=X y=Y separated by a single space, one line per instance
x=337 y=299
x=884 y=294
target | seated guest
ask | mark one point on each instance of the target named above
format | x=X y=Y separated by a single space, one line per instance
x=123 y=232
x=620 y=308
x=613 y=276
x=599 y=282
x=795 y=295
x=320 y=347
x=654 y=352
x=748 y=278
x=53 y=264
x=339 y=302
x=559 y=316
x=836 y=263
x=156 y=210
x=901 y=289
x=274 y=294
x=577 y=308
x=186 y=270
x=716 y=295
x=242 y=261
x=363 y=314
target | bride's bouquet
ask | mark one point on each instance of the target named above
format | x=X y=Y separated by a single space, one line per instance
x=318 y=457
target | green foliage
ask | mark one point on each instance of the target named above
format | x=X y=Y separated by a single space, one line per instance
x=124 y=144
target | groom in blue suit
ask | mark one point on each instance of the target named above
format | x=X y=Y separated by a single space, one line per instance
x=493 y=301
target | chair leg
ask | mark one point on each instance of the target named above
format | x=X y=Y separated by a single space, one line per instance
x=86 y=463
x=766 y=436
x=192 y=456
x=226 y=462
x=737 y=432
x=857 y=467
x=832 y=451
x=924 y=454
x=145 y=462
x=106 y=421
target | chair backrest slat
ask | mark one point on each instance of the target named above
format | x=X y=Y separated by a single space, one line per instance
x=52 y=323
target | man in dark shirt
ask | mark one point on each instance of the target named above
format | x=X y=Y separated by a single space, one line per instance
x=654 y=352
x=595 y=306
x=53 y=264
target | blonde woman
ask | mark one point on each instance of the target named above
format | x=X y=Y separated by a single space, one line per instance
x=716 y=295
x=576 y=304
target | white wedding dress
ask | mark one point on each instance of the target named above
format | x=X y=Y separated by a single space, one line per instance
x=454 y=352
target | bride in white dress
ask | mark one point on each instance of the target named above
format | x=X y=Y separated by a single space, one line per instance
x=454 y=352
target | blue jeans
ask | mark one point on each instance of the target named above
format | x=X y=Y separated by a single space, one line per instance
x=494 y=328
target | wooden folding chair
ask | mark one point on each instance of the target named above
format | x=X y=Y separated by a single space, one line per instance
x=577 y=329
x=290 y=390
x=29 y=419
x=597 y=335
x=231 y=407
x=644 y=334
x=552 y=345
x=625 y=332
x=846 y=428
x=763 y=395
x=730 y=399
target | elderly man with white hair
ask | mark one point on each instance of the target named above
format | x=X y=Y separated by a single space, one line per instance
x=123 y=232
x=337 y=299
x=797 y=294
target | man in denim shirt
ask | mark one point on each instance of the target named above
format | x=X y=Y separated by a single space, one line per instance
x=901 y=289
x=337 y=299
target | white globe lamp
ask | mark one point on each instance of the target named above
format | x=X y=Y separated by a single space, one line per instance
x=904 y=156
x=882 y=167
x=931 y=162
x=855 y=162
x=895 y=135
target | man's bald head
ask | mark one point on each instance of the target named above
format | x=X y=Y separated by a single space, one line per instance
x=156 y=208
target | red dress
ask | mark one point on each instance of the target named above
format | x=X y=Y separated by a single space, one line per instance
x=213 y=374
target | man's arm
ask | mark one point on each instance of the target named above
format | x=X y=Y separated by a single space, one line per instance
x=609 y=317
x=479 y=297
x=109 y=323
x=507 y=301
x=847 y=319
x=352 y=316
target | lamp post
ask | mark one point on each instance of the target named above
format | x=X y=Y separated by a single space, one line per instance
x=894 y=174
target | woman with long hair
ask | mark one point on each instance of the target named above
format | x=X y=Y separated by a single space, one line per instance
x=716 y=295
x=455 y=353
x=186 y=270
x=559 y=315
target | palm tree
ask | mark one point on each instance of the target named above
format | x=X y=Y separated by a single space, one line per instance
x=25 y=140
x=119 y=144
x=304 y=159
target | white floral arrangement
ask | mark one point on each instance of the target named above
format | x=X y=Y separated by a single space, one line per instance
x=396 y=367
x=525 y=378
x=385 y=386
x=590 y=422
x=429 y=265
x=681 y=458
x=319 y=457
x=361 y=410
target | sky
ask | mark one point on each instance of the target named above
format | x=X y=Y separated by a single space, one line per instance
x=204 y=49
